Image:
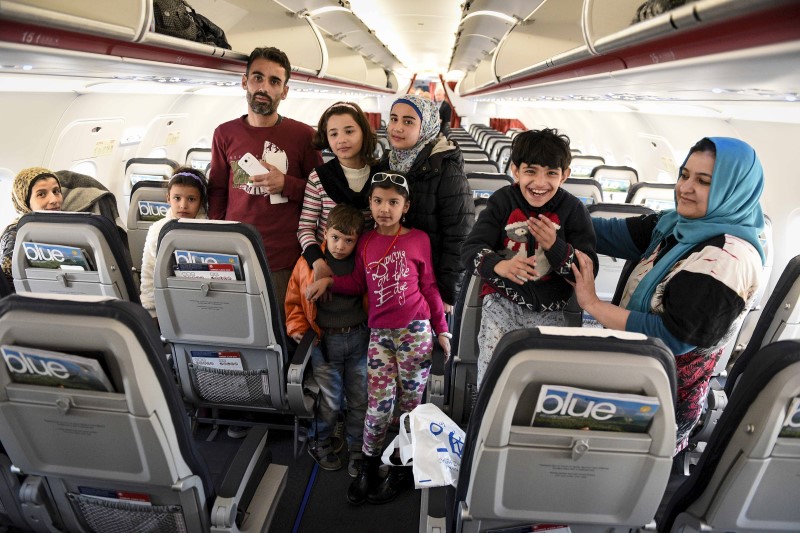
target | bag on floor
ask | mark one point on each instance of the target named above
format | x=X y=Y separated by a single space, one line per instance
x=432 y=446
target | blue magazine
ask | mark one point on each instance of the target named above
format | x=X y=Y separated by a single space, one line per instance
x=54 y=369
x=152 y=211
x=40 y=255
x=191 y=256
x=573 y=408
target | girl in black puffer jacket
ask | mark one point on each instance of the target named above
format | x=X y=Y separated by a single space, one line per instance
x=442 y=203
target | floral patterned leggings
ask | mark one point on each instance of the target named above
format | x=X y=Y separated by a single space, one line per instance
x=403 y=353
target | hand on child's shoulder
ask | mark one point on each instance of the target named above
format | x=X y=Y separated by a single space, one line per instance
x=315 y=290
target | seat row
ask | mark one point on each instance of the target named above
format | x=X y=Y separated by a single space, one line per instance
x=514 y=472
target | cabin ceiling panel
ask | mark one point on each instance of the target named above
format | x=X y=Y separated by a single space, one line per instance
x=552 y=30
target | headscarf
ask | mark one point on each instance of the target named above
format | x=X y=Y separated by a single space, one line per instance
x=733 y=208
x=401 y=160
x=23 y=183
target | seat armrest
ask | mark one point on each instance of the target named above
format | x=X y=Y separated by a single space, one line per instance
x=300 y=403
x=436 y=379
x=242 y=478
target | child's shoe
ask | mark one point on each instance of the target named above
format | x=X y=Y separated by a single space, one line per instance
x=356 y=457
x=365 y=481
x=324 y=455
x=400 y=478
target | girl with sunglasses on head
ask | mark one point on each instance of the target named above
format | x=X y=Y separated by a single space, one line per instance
x=443 y=206
x=393 y=266
x=187 y=195
x=344 y=130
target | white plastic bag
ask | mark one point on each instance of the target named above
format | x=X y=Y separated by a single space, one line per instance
x=433 y=446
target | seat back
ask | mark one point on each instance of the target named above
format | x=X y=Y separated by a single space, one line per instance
x=746 y=479
x=608 y=276
x=582 y=165
x=749 y=319
x=145 y=169
x=779 y=320
x=93 y=443
x=471 y=166
x=203 y=317
x=522 y=466
x=148 y=204
x=484 y=184
x=587 y=190
x=460 y=387
x=41 y=263
x=656 y=196
x=199 y=159
x=615 y=181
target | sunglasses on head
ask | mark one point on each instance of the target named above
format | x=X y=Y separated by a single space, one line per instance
x=397 y=179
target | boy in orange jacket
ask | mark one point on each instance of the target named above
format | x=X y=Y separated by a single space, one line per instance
x=339 y=360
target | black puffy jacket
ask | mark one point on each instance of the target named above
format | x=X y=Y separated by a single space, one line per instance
x=442 y=207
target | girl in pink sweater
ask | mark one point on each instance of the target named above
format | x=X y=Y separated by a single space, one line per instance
x=395 y=268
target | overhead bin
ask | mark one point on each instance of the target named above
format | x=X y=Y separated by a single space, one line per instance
x=127 y=20
x=552 y=29
x=343 y=64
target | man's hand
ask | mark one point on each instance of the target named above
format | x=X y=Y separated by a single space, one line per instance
x=272 y=182
x=297 y=337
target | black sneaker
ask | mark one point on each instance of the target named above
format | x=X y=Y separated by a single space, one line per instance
x=322 y=452
x=355 y=460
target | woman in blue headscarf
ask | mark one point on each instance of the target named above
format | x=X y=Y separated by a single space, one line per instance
x=698 y=266
x=441 y=202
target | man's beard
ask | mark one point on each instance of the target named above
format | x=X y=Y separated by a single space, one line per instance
x=262 y=108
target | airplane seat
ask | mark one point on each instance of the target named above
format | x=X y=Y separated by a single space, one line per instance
x=494 y=145
x=484 y=184
x=327 y=155
x=113 y=445
x=480 y=166
x=148 y=204
x=473 y=154
x=587 y=190
x=582 y=164
x=504 y=158
x=94 y=237
x=656 y=196
x=750 y=318
x=779 y=320
x=238 y=319
x=146 y=169
x=746 y=478
x=514 y=472
x=615 y=180
x=199 y=159
x=610 y=268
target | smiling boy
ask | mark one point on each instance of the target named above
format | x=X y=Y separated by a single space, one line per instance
x=523 y=245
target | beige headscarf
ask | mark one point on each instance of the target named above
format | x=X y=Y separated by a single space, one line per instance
x=23 y=183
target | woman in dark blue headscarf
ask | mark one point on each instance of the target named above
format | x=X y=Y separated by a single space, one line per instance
x=698 y=266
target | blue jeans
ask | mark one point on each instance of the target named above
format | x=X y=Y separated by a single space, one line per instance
x=343 y=375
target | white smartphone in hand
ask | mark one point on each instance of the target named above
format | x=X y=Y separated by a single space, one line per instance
x=250 y=164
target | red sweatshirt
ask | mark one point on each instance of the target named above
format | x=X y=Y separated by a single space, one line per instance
x=277 y=223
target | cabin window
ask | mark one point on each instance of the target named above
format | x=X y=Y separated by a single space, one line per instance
x=85 y=167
